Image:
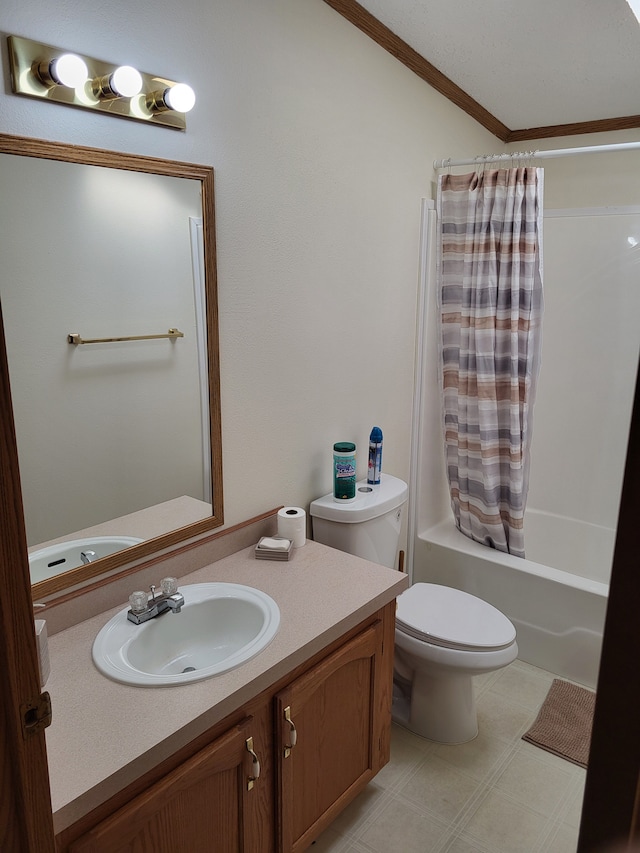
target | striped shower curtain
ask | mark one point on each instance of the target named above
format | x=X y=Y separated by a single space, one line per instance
x=490 y=291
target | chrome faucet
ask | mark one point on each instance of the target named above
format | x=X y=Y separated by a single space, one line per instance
x=144 y=607
x=87 y=557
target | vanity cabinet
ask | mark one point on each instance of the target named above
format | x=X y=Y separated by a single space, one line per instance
x=320 y=735
x=212 y=802
x=331 y=726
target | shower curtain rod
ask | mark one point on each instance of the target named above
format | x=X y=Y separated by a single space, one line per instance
x=538 y=155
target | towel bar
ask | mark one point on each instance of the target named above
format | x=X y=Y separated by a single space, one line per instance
x=74 y=338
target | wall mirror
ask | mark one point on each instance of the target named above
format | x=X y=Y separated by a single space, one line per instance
x=108 y=295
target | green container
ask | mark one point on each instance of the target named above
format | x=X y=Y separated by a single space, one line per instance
x=344 y=471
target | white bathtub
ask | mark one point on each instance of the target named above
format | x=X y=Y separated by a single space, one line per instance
x=558 y=612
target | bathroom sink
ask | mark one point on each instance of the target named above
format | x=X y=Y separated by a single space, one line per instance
x=54 y=559
x=220 y=627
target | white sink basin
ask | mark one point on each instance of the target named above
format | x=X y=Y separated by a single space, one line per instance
x=55 y=559
x=220 y=626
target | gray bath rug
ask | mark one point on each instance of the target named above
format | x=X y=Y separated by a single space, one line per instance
x=563 y=724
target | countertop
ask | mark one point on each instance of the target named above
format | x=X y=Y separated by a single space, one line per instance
x=104 y=735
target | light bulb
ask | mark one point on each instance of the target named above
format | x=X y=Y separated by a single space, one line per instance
x=126 y=81
x=69 y=70
x=180 y=98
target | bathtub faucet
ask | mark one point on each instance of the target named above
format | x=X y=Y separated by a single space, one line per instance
x=144 y=607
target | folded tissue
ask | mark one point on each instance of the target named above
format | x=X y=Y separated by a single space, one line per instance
x=273 y=548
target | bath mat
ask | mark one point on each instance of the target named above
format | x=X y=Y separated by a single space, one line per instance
x=563 y=724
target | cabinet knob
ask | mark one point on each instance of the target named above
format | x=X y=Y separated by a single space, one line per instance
x=255 y=764
x=293 y=734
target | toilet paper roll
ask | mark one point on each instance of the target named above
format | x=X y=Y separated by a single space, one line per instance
x=292 y=524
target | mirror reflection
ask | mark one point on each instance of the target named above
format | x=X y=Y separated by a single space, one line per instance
x=116 y=437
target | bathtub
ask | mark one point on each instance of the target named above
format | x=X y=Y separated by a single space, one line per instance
x=558 y=611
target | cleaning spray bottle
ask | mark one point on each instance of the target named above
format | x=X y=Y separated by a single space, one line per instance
x=375 y=457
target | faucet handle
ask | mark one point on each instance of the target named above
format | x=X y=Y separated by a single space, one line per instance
x=138 y=601
x=169 y=586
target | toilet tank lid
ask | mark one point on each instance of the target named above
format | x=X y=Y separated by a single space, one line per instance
x=370 y=502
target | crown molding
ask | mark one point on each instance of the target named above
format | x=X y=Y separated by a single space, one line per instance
x=404 y=53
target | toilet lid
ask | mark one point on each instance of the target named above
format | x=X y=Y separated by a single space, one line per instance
x=449 y=617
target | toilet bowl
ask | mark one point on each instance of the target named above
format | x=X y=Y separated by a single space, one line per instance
x=443 y=636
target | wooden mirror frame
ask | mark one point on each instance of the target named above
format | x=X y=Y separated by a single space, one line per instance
x=43 y=149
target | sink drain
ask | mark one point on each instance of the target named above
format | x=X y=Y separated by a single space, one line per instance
x=189 y=669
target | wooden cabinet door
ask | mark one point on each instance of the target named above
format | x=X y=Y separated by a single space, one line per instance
x=335 y=716
x=204 y=806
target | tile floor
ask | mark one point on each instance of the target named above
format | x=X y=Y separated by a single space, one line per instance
x=496 y=794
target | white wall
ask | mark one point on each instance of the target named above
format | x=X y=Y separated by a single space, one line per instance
x=323 y=146
x=589 y=180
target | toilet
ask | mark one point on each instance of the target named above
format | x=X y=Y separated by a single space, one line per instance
x=443 y=636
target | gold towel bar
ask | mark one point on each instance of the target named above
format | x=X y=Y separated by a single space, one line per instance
x=74 y=338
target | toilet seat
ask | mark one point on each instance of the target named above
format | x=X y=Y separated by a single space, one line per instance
x=452 y=619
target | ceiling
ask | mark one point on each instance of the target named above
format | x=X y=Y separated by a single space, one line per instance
x=524 y=68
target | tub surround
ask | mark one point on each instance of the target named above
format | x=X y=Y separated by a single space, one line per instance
x=105 y=735
x=145 y=523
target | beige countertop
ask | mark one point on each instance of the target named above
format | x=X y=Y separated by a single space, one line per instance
x=104 y=734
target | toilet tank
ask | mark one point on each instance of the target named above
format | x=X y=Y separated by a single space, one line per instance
x=369 y=526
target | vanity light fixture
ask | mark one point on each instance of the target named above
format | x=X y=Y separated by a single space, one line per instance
x=65 y=70
x=53 y=74
x=179 y=97
x=124 y=82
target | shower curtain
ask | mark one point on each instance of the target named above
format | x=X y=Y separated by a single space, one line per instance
x=490 y=292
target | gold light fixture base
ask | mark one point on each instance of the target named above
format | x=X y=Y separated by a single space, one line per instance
x=27 y=56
